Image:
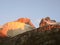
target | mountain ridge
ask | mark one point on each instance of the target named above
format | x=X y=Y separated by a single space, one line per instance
x=38 y=36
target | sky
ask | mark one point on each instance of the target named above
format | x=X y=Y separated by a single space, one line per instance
x=11 y=10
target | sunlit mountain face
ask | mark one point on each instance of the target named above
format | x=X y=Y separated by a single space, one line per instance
x=49 y=27
x=18 y=26
x=11 y=26
x=48 y=24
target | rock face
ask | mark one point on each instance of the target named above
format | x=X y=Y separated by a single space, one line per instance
x=11 y=29
x=38 y=36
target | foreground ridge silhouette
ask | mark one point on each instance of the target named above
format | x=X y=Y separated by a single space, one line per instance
x=38 y=36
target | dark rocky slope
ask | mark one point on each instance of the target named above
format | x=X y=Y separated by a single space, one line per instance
x=34 y=37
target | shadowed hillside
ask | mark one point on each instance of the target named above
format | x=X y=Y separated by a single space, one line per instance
x=38 y=36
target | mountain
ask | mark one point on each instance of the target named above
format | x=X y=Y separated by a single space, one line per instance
x=48 y=35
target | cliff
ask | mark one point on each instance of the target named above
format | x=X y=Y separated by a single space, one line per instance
x=38 y=36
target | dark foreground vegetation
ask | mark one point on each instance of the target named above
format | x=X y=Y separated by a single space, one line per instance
x=34 y=37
